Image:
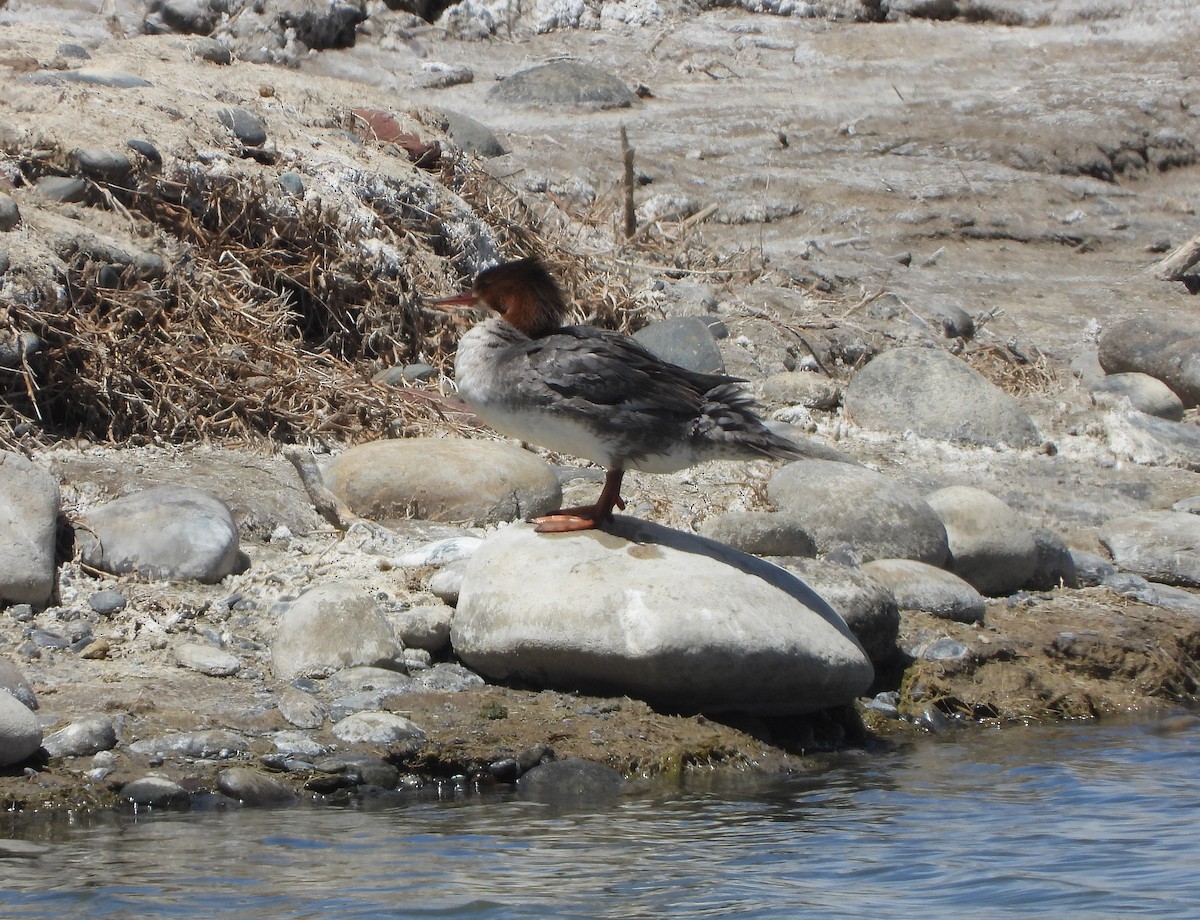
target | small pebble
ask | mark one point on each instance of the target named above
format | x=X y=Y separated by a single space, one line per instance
x=246 y=126
x=292 y=183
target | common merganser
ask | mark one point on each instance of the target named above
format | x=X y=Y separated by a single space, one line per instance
x=595 y=393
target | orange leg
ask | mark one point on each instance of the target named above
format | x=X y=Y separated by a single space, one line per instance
x=587 y=516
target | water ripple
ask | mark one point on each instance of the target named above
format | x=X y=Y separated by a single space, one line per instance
x=1063 y=822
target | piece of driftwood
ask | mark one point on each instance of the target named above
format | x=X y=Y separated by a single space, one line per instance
x=1176 y=265
x=328 y=505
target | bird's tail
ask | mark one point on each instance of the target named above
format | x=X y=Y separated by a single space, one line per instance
x=731 y=418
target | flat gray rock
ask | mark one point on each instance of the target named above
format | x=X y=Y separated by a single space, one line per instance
x=1090 y=569
x=1163 y=546
x=1168 y=351
x=839 y=503
x=864 y=602
x=20 y=734
x=444 y=479
x=208 y=743
x=665 y=616
x=156 y=792
x=762 y=533
x=991 y=545
x=170 y=532
x=563 y=84
x=917 y=586
x=331 y=627
x=471 y=135
x=683 y=340
x=377 y=728
x=207 y=659
x=29 y=502
x=82 y=738
x=802 y=388
x=1143 y=392
x=112 y=79
x=934 y=394
x=253 y=788
x=1153 y=441
x=301 y=709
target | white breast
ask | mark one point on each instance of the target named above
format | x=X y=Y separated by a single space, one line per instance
x=479 y=373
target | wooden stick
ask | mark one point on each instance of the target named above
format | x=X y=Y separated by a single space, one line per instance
x=627 y=157
x=1176 y=265
x=328 y=505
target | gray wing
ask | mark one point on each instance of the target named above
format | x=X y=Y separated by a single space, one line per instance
x=612 y=371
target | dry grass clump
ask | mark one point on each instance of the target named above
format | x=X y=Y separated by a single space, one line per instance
x=1017 y=371
x=268 y=322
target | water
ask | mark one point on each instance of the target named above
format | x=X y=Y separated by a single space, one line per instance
x=1084 y=821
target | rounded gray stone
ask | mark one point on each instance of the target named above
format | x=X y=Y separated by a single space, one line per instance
x=762 y=533
x=169 y=532
x=1091 y=570
x=1143 y=392
x=20 y=734
x=1055 y=566
x=446 y=584
x=685 y=341
x=658 y=614
x=209 y=743
x=106 y=165
x=106 y=602
x=29 y=504
x=10 y=214
x=245 y=125
x=1168 y=350
x=82 y=738
x=301 y=709
x=206 y=659
x=839 y=503
x=933 y=394
x=212 y=50
x=865 y=603
x=1163 y=546
x=112 y=79
x=155 y=792
x=377 y=728
x=471 y=135
x=442 y=479
x=331 y=627
x=253 y=788
x=917 y=586
x=67 y=189
x=802 y=388
x=563 y=84
x=991 y=545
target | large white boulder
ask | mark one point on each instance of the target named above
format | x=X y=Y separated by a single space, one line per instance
x=681 y=621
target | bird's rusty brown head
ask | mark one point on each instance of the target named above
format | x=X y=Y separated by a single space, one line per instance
x=523 y=292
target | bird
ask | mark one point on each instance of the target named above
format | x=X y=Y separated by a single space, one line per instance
x=594 y=393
